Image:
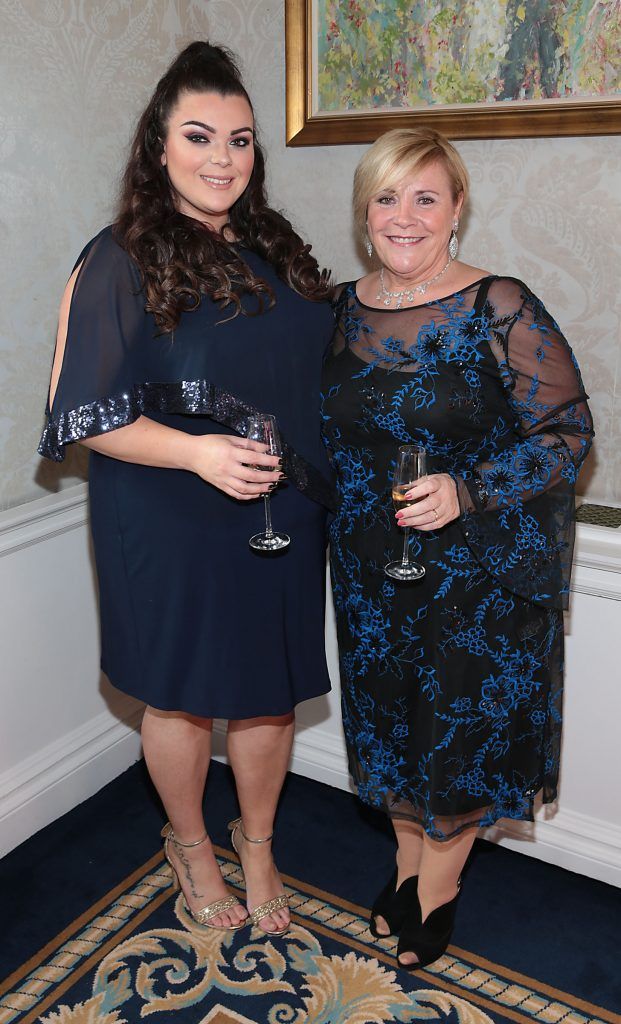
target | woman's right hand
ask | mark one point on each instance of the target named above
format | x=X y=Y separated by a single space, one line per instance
x=229 y=463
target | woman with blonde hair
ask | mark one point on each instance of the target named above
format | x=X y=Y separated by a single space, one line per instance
x=452 y=666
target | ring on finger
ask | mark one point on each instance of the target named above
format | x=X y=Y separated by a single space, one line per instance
x=435 y=512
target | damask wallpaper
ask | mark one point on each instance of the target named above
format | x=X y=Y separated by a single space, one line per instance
x=74 y=76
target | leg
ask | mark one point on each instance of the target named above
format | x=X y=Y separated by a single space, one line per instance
x=440 y=869
x=409 y=848
x=177 y=750
x=441 y=865
x=409 y=851
x=259 y=750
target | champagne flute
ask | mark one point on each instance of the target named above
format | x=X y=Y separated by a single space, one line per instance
x=409 y=468
x=263 y=428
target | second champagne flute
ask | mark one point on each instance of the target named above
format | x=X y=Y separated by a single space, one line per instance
x=410 y=467
x=262 y=428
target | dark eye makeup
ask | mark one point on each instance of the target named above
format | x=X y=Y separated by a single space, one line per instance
x=239 y=141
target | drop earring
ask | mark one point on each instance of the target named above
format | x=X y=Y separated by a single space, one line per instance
x=369 y=247
x=453 y=246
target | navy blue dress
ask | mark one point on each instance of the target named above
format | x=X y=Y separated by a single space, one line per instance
x=452 y=686
x=191 y=618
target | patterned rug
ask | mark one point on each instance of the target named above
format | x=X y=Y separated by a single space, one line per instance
x=136 y=953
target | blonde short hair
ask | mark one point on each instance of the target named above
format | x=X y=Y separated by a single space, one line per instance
x=398 y=153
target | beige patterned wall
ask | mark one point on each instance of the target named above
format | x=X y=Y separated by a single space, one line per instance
x=74 y=75
x=77 y=72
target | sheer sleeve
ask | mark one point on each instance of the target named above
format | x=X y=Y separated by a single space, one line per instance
x=97 y=390
x=518 y=503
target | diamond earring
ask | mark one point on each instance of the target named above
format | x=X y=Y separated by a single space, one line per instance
x=369 y=247
x=453 y=247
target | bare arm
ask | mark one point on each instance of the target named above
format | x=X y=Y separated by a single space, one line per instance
x=219 y=459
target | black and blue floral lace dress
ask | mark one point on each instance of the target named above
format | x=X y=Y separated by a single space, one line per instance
x=452 y=686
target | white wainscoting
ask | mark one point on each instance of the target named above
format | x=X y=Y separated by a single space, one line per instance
x=65 y=732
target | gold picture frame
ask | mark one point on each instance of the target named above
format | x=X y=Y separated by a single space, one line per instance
x=511 y=119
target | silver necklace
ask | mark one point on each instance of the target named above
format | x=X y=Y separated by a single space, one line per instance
x=409 y=294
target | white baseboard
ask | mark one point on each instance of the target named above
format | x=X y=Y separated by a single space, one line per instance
x=43 y=788
x=588 y=846
x=40 y=789
x=321 y=756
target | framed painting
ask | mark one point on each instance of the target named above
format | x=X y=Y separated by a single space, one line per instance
x=472 y=69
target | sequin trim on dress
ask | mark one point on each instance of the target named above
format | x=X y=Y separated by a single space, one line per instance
x=87 y=421
x=194 y=397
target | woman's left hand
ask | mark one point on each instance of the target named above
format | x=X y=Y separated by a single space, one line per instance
x=435 y=503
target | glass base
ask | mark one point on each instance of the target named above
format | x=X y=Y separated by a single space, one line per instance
x=399 y=571
x=275 y=542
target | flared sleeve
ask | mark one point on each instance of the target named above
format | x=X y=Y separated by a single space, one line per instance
x=97 y=389
x=517 y=504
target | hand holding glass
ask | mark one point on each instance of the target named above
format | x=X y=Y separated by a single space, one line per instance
x=409 y=468
x=263 y=428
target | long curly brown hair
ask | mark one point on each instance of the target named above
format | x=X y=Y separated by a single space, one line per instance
x=182 y=259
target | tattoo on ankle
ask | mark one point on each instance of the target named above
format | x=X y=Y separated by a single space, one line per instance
x=187 y=870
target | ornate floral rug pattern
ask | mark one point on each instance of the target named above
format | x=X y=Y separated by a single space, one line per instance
x=133 y=956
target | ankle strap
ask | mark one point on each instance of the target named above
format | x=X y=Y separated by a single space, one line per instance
x=249 y=840
x=178 y=842
x=168 y=833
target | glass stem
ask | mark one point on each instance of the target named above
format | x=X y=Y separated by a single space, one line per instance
x=405 y=561
x=269 y=533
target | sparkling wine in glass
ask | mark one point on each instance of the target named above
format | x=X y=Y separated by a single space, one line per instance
x=263 y=428
x=409 y=468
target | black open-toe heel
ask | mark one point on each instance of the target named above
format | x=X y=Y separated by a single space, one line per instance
x=427 y=940
x=394 y=905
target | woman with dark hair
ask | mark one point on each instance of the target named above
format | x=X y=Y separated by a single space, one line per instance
x=199 y=307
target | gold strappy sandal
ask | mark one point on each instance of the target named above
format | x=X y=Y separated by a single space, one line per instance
x=205 y=915
x=278 y=902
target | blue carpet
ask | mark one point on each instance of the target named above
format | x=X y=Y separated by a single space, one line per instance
x=538 y=921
